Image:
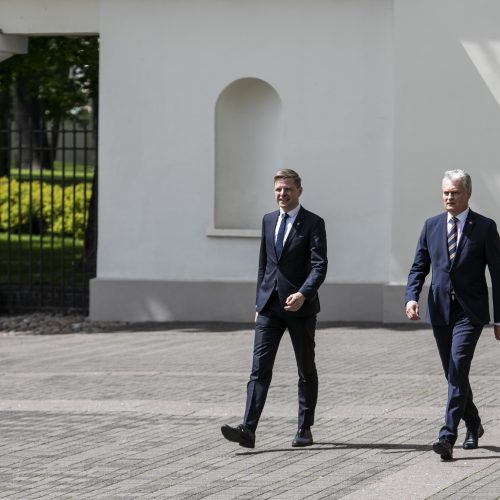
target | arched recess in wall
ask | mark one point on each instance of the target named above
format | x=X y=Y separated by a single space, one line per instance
x=248 y=151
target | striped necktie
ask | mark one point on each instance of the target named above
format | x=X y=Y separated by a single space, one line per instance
x=452 y=240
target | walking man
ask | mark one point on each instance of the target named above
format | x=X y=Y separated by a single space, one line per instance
x=458 y=244
x=292 y=266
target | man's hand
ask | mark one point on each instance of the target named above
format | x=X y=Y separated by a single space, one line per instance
x=412 y=311
x=294 y=302
x=496 y=329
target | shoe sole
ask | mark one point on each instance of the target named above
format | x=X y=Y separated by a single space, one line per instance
x=440 y=450
x=235 y=437
x=470 y=446
x=300 y=445
x=474 y=447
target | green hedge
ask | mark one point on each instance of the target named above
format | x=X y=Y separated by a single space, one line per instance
x=42 y=208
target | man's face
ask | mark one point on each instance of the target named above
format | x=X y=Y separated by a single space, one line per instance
x=455 y=197
x=287 y=194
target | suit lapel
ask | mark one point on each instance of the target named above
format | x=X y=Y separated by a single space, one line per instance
x=293 y=231
x=271 y=231
x=469 y=225
x=442 y=231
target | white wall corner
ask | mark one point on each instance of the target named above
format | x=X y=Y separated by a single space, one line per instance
x=50 y=17
x=11 y=45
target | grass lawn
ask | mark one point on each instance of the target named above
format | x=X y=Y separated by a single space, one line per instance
x=41 y=260
x=71 y=173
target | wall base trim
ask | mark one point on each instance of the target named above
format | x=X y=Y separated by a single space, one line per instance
x=143 y=300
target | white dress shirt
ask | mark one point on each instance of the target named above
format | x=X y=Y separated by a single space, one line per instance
x=460 y=224
x=292 y=215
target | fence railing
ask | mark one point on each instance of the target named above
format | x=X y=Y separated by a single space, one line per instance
x=48 y=223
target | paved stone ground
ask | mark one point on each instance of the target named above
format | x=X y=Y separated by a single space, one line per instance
x=136 y=413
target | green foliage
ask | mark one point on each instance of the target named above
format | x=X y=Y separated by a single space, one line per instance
x=7 y=72
x=69 y=172
x=56 y=80
x=41 y=208
x=49 y=260
x=61 y=73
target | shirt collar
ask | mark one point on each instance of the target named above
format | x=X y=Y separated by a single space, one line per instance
x=461 y=216
x=292 y=213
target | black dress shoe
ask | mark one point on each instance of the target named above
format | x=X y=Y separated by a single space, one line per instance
x=303 y=437
x=241 y=435
x=444 y=448
x=472 y=438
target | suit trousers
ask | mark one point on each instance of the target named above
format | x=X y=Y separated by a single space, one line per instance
x=456 y=343
x=271 y=323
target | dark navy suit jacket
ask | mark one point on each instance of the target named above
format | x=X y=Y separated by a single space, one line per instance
x=302 y=265
x=479 y=246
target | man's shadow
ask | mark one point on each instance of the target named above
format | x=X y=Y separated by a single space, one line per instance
x=388 y=448
x=494 y=449
x=323 y=446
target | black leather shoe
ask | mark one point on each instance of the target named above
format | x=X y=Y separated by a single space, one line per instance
x=444 y=448
x=472 y=438
x=241 y=435
x=303 y=437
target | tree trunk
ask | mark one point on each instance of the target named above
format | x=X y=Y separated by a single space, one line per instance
x=50 y=150
x=33 y=147
x=54 y=139
x=5 y=102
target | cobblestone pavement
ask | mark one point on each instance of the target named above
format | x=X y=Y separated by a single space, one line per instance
x=136 y=413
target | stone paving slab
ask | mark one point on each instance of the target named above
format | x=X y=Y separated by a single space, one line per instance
x=137 y=415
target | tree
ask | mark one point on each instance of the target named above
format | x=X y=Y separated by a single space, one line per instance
x=52 y=82
x=5 y=111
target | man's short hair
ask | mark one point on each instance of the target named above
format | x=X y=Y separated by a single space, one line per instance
x=460 y=175
x=288 y=173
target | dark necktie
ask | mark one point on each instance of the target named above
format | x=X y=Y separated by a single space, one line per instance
x=452 y=240
x=281 y=235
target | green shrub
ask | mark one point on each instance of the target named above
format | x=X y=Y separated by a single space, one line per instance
x=42 y=208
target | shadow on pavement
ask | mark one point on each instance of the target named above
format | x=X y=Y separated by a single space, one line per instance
x=322 y=446
x=494 y=449
x=390 y=448
x=185 y=327
x=222 y=326
x=352 y=325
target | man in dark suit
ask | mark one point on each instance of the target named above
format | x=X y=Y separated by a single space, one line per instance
x=458 y=244
x=292 y=266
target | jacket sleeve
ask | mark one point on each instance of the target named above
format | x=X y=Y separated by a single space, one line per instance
x=492 y=249
x=262 y=260
x=419 y=269
x=318 y=260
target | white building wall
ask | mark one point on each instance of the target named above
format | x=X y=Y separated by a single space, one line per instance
x=447 y=115
x=248 y=145
x=164 y=65
x=44 y=17
x=378 y=98
x=11 y=45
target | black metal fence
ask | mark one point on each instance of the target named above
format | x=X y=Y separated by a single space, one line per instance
x=48 y=223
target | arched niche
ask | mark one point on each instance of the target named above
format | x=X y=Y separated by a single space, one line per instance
x=248 y=151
